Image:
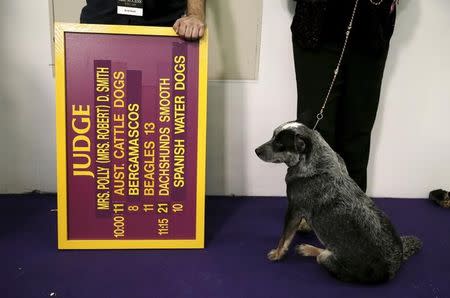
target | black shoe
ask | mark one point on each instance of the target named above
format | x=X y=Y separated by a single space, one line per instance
x=440 y=197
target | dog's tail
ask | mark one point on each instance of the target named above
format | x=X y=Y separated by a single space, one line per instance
x=411 y=245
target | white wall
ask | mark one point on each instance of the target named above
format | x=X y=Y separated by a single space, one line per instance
x=410 y=151
x=27 y=105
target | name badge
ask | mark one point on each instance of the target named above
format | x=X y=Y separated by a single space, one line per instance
x=130 y=7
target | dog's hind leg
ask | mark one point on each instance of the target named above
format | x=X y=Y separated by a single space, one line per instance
x=291 y=223
x=308 y=250
x=328 y=260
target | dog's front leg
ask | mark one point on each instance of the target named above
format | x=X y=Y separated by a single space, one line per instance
x=291 y=223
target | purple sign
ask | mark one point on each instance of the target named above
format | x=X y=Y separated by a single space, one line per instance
x=131 y=138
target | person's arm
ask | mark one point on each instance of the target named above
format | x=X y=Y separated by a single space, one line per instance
x=192 y=26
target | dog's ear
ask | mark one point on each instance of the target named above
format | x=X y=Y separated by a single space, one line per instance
x=299 y=143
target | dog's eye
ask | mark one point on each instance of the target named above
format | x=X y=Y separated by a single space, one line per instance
x=278 y=146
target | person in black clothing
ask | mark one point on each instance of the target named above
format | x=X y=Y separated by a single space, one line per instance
x=186 y=16
x=318 y=33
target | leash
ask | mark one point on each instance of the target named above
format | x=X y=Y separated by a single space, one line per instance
x=320 y=115
x=336 y=71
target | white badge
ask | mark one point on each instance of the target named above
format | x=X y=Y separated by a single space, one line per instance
x=130 y=7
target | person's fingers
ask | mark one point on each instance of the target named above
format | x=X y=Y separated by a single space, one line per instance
x=176 y=26
x=182 y=29
x=201 y=31
x=195 y=31
x=188 y=33
x=189 y=28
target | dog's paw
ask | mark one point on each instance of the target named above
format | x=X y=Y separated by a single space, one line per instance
x=307 y=250
x=323 y=256
x=274 y=255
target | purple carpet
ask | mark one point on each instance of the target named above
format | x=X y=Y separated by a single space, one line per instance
x=239 y=234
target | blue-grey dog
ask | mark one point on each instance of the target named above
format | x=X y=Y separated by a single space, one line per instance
x=361 y=244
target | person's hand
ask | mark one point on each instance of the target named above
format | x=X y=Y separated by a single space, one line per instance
x=190 y=27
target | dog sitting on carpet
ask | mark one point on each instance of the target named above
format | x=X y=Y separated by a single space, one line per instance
x=361 y=244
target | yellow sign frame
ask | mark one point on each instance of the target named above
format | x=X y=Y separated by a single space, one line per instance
x=63 y=241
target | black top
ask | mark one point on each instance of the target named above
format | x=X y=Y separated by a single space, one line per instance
x=156 y=13
x=324 y=22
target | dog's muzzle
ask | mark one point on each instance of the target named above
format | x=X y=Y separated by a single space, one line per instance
x=259 y=151
x=263 y=153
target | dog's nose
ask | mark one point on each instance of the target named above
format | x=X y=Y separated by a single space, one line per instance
x=258 y=151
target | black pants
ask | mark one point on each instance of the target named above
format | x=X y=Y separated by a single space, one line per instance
x=352 y=107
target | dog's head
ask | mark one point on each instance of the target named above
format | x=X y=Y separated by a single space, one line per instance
x=290 y=144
